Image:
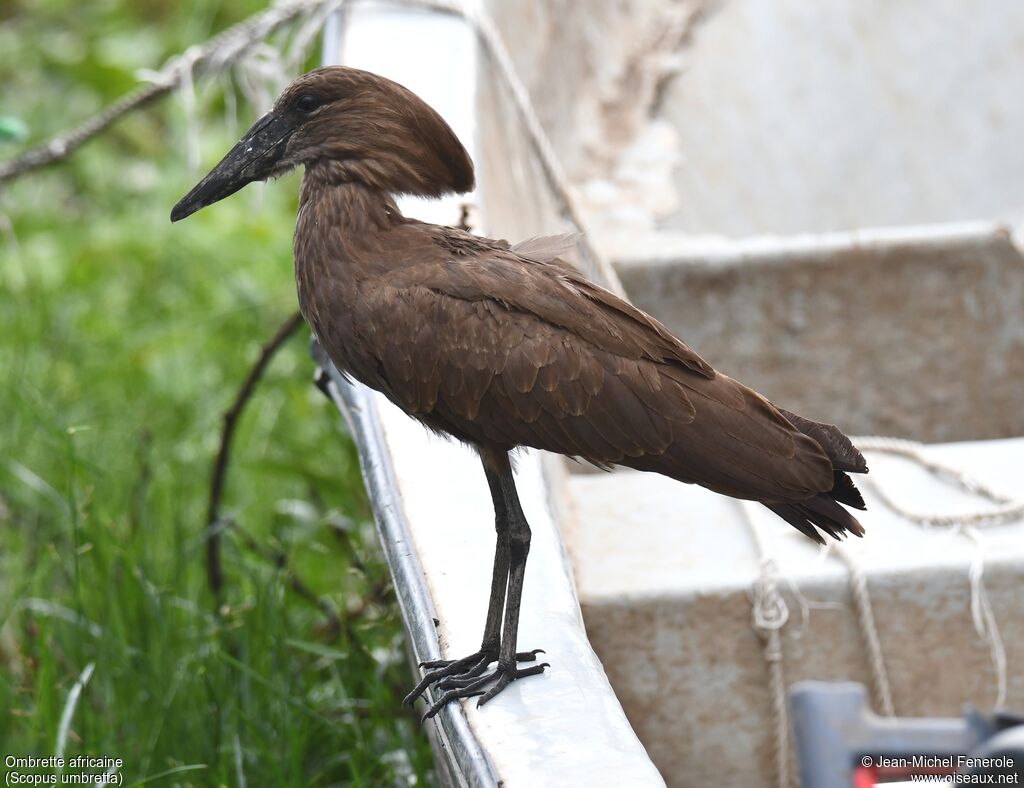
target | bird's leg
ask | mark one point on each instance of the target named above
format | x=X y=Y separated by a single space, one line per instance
x=451 y=673
x=510 y=561
x=499 y=576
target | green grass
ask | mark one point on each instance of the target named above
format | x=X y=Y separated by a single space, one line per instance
x=122 y=341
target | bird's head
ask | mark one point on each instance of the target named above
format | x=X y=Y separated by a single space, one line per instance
x=353 y=126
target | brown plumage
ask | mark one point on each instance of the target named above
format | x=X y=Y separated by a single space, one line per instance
x=505 y=346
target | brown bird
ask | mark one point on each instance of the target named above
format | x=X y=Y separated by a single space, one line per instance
x=502 y=347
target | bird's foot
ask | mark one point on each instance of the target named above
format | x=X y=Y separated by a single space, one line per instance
x=449 y=671
x=471 y=684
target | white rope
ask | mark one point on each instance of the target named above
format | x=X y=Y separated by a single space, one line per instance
x=881 y=688
x=308 y=29
x=769 y=615
x=984 y=617
x=1005 y=509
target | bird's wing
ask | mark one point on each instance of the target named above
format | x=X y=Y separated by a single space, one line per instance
x=501 y=375
x=557 y=295
x=497 y=349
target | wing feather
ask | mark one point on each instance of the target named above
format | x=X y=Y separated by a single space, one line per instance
x=498 y=349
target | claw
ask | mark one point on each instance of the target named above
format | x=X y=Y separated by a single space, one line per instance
x=444 y=700
x=444 y=668
x=468 y=677
x=505 y=679
x=471 y=686
x=463 y=679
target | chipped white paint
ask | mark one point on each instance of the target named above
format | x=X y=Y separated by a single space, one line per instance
x=739 y=117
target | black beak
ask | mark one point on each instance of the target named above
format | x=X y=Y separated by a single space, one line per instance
x=254 y=158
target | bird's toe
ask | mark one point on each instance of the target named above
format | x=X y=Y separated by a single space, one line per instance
x=472 y=684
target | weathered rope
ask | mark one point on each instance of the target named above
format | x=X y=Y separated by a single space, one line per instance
x=769 y=615
x=594 y=264
x=984 y=617
x=881 y=689
x=1005 y=509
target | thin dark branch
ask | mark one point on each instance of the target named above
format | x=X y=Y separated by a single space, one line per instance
x=214 y=572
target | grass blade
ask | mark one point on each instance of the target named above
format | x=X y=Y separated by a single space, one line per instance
x=69 y=708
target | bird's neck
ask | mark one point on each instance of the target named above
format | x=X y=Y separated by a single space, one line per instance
x=337 y=203
x=339 y=231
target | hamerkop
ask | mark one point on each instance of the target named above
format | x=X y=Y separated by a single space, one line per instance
x=501 y=347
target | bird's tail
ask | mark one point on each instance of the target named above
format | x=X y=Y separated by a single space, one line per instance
x=824 y=510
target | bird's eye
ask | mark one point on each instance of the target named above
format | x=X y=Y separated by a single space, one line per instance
x=306 y=103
